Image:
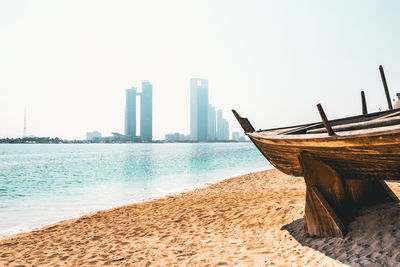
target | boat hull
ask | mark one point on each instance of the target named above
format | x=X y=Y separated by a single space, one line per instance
x=368 y=157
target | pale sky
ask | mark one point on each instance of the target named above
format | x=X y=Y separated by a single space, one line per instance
x=70 y=62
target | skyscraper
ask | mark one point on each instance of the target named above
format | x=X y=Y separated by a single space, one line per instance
x=146 y=111
x=220 y=125
x=198 y=109
x=226 y=130
x=212 y=130
x=130 y=112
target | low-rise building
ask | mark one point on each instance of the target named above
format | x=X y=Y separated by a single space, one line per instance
x=176 y=137
x=92 y=135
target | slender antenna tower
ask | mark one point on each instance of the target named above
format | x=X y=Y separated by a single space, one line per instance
x=24 y=121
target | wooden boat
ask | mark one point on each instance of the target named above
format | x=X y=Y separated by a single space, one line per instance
x=344 y=162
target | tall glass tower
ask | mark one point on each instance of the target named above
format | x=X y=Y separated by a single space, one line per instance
x=226 y=130
x=198 y=109
x=130 y=112
x=212 y=131
x=146 y=112
x=220 y=125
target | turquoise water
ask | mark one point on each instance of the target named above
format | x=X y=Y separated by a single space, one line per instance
x=44 y=183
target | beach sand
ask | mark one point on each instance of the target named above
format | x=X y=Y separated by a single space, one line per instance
x=254 y=219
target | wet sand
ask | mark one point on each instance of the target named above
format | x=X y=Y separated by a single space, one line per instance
x=254 y=219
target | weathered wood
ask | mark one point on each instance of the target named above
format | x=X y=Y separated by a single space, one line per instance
x=350 y=119
x=332 y=201
x=302 y=129
x=325 y=191
x=364 y=103
x=380 y=122
x=366 y=193
x=244 y=122
x=320 y=219
x=325 y=120
x=367 y=160
x=370 y=153
x=389 y=101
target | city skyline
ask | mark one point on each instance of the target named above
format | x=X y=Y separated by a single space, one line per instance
x=130 y=128
x=204 y=121
x=205 y=124
x=270 y=60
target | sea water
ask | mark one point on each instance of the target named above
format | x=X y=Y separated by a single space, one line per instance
x=44 y=183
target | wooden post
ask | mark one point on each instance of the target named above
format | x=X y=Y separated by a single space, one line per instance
x=320 y=218
x=364 y=103
x=385 y=87
x=325 y=120
x=332 y=201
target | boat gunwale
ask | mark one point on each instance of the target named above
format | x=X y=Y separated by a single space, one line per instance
x=324 y=137
x=334 y=121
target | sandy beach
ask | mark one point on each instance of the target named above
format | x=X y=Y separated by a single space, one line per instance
x=254 y=220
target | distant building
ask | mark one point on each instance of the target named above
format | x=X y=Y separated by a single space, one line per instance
x=130 y=112
x=212 y=123
x=175 y=137
x=92 y=135
x=235 y=136
x=220 y=125
x=117 y=137
x=198 y=109
x=146 y=112
x=226 y=130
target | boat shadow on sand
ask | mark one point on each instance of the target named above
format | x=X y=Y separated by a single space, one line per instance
x=373 y=238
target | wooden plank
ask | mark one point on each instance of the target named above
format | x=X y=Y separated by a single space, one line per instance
x=350 y=137
x=302 y=129
x=333 y=122
x=361 y=125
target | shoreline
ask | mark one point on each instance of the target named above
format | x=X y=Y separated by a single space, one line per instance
x=51 y=221
x=252 y=219
x=83 y=142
